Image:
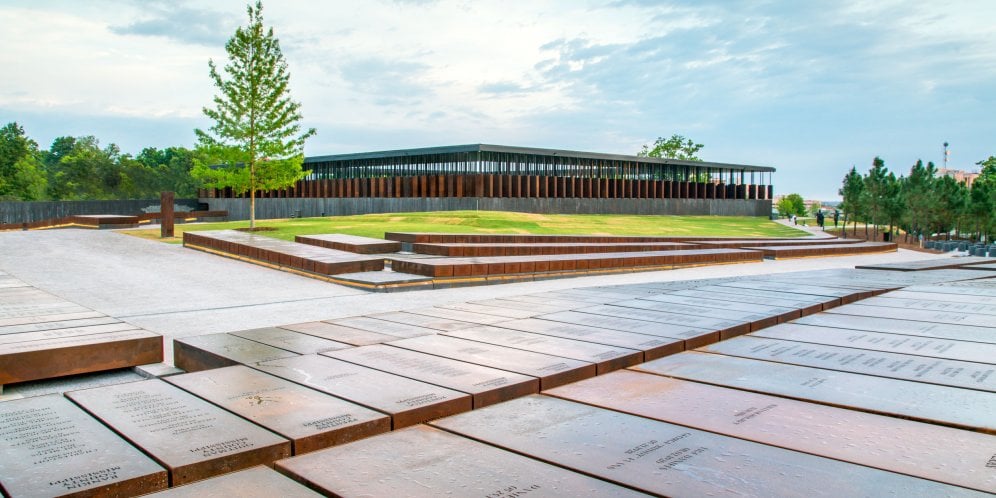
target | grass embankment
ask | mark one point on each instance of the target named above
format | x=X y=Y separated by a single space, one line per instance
x=374 y=225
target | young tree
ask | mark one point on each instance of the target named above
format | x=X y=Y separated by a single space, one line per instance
x=676 y=147
x=915 y=194
x=798 y=204
x=876 y=193
x=256 y=142
x=851 y=193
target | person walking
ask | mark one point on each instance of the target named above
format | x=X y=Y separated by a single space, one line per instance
x=836 y=216
x=820 y=218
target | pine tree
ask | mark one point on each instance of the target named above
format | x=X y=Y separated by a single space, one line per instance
x=256 y=142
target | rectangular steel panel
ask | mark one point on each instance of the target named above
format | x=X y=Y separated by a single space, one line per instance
x=652 y=346
x=192 y=438
x=309 y=419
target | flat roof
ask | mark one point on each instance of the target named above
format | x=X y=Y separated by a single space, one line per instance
x=455 y=149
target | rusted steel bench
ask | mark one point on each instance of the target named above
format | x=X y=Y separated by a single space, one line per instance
x=474 y=238
x=350 y=243
x=784 y=252
x=510 y=265
x=527 y=249
x=301 y=257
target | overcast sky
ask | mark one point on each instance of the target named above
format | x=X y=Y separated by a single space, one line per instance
x=809 y=87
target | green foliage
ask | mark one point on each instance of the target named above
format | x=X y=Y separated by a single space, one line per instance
x=256 y=142
x=798 y=204
x=22 y=175
x=676 y=147
x=785 y=207
x=815 y=208
x=851 y=193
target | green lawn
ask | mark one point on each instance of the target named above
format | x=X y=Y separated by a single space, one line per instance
x=374 y=225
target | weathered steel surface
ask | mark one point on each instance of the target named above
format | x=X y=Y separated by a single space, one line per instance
x=605 y=357
x=693 y=336
x=928 y=264
x=929 y=294
x=668 y=459
x=340 y=333
x=902 y=446
x=406 y=400
x=907 y=327
x=964 y=408
x=50 y=447
x=289 y=340
x=550 y=370
x=916 y=315
x=707 y=305
x=486 y=385
x=652 y=346
x=537 y=307
x=726 y=328
x=845 y=295
x=493 y=309
x=204 y=352
x=430 y=322
x=257 y=482
x=893 y=365
x=393 y=329
x=422 y=461
x=757 y=319
x=59 y=356
x=65 y=333
x=461 y=316
x=925 y=304
x=309 y=419
x=192 y=438
x=878 y=341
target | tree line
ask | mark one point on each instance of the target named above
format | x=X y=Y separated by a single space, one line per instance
x=78 y=168
x=920 y=203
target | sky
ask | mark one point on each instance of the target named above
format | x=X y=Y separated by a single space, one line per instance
x=811 y=88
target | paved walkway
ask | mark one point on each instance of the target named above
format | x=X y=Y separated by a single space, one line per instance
x=179 y=292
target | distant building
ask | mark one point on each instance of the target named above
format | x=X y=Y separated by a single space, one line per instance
x=960 y=176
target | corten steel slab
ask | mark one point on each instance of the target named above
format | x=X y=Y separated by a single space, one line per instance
x=192 y=438
x=726 y=328
x=905 y=327
x=309 y=419
x=423 y=461
x=461 y=316
x=929 y=264
x=350 y=243
x=504 y=312
x=564 y=304
x=407 y=401
x=204 y=352
x=39 y=309
x=668 y=459
x=783 y=252
x=58 y=317
x=65 y=333
x=715 y=298
x=49 y=447
x=486 y=385
x=929 y=305
x=425 y=321
x=879 y=341
x=845 y=296
x=294 y=342
x=933 y=316
x=963 y=408
x=930 y=295
x=984 y=266
x=56 y=357
x=886 y=443
x=257 y=482
x=778 y=298
x=781 y=314
x=605 y=357
x=652 y=347
x=693 y=336
x=56 y=326
x=504 y=303
x=954 y=373
x=741 y=243
x=756 y=319
x=954 y=289
x=394 y=330
x=339 y=333
x=550 y=370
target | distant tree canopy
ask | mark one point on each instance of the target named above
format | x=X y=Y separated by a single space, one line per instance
x=921 y=203
x=676 y=147
x=78 y=168
x=791 y=204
